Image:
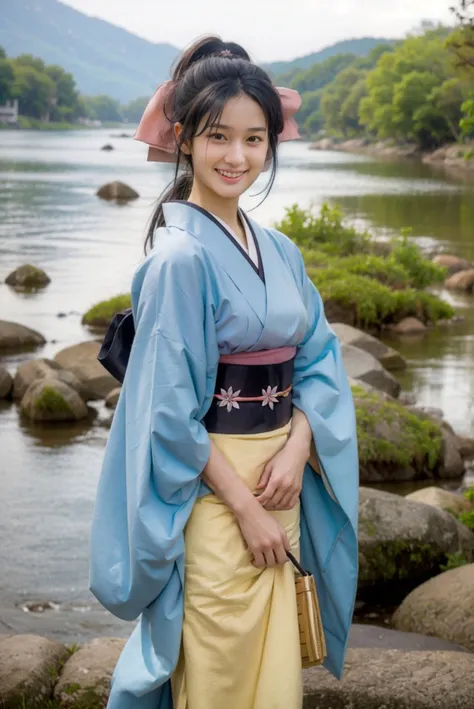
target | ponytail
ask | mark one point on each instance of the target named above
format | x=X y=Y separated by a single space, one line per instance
x=180 y=189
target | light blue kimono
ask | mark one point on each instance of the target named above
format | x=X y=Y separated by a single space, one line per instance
x=196 y=296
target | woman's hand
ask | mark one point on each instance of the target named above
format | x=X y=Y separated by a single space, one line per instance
x=282 y=478
x=265 y=537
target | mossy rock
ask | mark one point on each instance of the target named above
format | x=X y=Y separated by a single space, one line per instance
x=49 y=399
x=100 y=315
x=403 y=542
x=394 y=443
x=28 y=277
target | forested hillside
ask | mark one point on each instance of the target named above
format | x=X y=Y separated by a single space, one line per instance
x=103 y=58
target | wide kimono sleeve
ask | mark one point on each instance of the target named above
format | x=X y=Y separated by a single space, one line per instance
x=329 y=497
x=157 y=445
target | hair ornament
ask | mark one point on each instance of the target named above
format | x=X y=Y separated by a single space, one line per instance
x=225 y=53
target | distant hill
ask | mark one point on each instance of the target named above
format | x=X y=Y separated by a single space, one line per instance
x=103 y=58
x=359 y=47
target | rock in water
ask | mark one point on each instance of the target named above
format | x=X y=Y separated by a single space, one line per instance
x=452 y=263
x=462 y=280
x=15 y=337
x=388 y=357
x=28 y=276
x=49 y=399
x=443 y=607
x=82 y=361
x=107 y=147
x=33 y=370
x=408 y=326
x=117 y=191
x=6 y=383
x=359 y=364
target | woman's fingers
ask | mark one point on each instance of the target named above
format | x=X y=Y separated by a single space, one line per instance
x=265 y=477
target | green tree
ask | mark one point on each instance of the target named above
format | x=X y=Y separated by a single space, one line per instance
x=467 y=121
x=6 y=77
x=66 y=105
x=30 y=61
x=402 y=99
x=133 y=111
x=102 y=108
x=35 y=90
x=340 y=115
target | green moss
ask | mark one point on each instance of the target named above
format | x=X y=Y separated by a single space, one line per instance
x=50 y=401
x=453 y=561
x=469 y=494
x=398 y=559
x=102 y=313
x=417 y=443
x=467 y=518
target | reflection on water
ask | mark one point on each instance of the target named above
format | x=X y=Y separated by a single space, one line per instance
x=50 y=216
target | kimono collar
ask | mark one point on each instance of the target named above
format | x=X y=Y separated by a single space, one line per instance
x=201 y=224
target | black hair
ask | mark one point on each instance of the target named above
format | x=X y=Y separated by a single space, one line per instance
x=206 y=76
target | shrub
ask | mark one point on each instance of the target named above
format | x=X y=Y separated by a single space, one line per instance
x=102 y=313
x=326 y=230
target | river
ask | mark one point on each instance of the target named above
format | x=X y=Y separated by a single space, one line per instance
x=51 y=217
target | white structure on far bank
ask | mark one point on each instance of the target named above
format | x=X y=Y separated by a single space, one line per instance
x=9 y=111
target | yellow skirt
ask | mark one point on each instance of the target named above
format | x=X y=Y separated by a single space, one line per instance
x=240 y=645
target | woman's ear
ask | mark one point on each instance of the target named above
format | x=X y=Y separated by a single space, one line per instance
x=178 y=129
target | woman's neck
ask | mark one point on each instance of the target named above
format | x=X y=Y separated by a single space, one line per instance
x=225 y=209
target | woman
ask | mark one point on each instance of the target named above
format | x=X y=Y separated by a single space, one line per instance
x=234 y=381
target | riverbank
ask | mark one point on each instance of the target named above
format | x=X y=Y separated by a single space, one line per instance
x=25 y=123
x=456 y=156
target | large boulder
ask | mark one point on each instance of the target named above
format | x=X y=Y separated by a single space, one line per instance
x=396 y=444
x=376 y=678
x=442 y=499
x=387 y=356
x=49 y=399
x=362 y=365
x=453 y=264
x=82 y=361
x=405 y=542
x=28 y=667
x=462 y=280
x=443 y=607
x=6 y=383
x=15 y=337
x=117 y=191
x=87 y=673
x=27 y=277
x=35 y=369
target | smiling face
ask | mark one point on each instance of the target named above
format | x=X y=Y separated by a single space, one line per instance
x=229 y=156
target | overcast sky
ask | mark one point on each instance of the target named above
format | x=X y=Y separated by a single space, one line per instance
x=268 y=29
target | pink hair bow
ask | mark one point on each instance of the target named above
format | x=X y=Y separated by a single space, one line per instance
x=156 y=130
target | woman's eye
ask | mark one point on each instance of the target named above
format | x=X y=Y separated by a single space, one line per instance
x=216 y=136
x=255 y=139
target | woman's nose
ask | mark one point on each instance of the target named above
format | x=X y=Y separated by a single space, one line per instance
x=235 y=153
